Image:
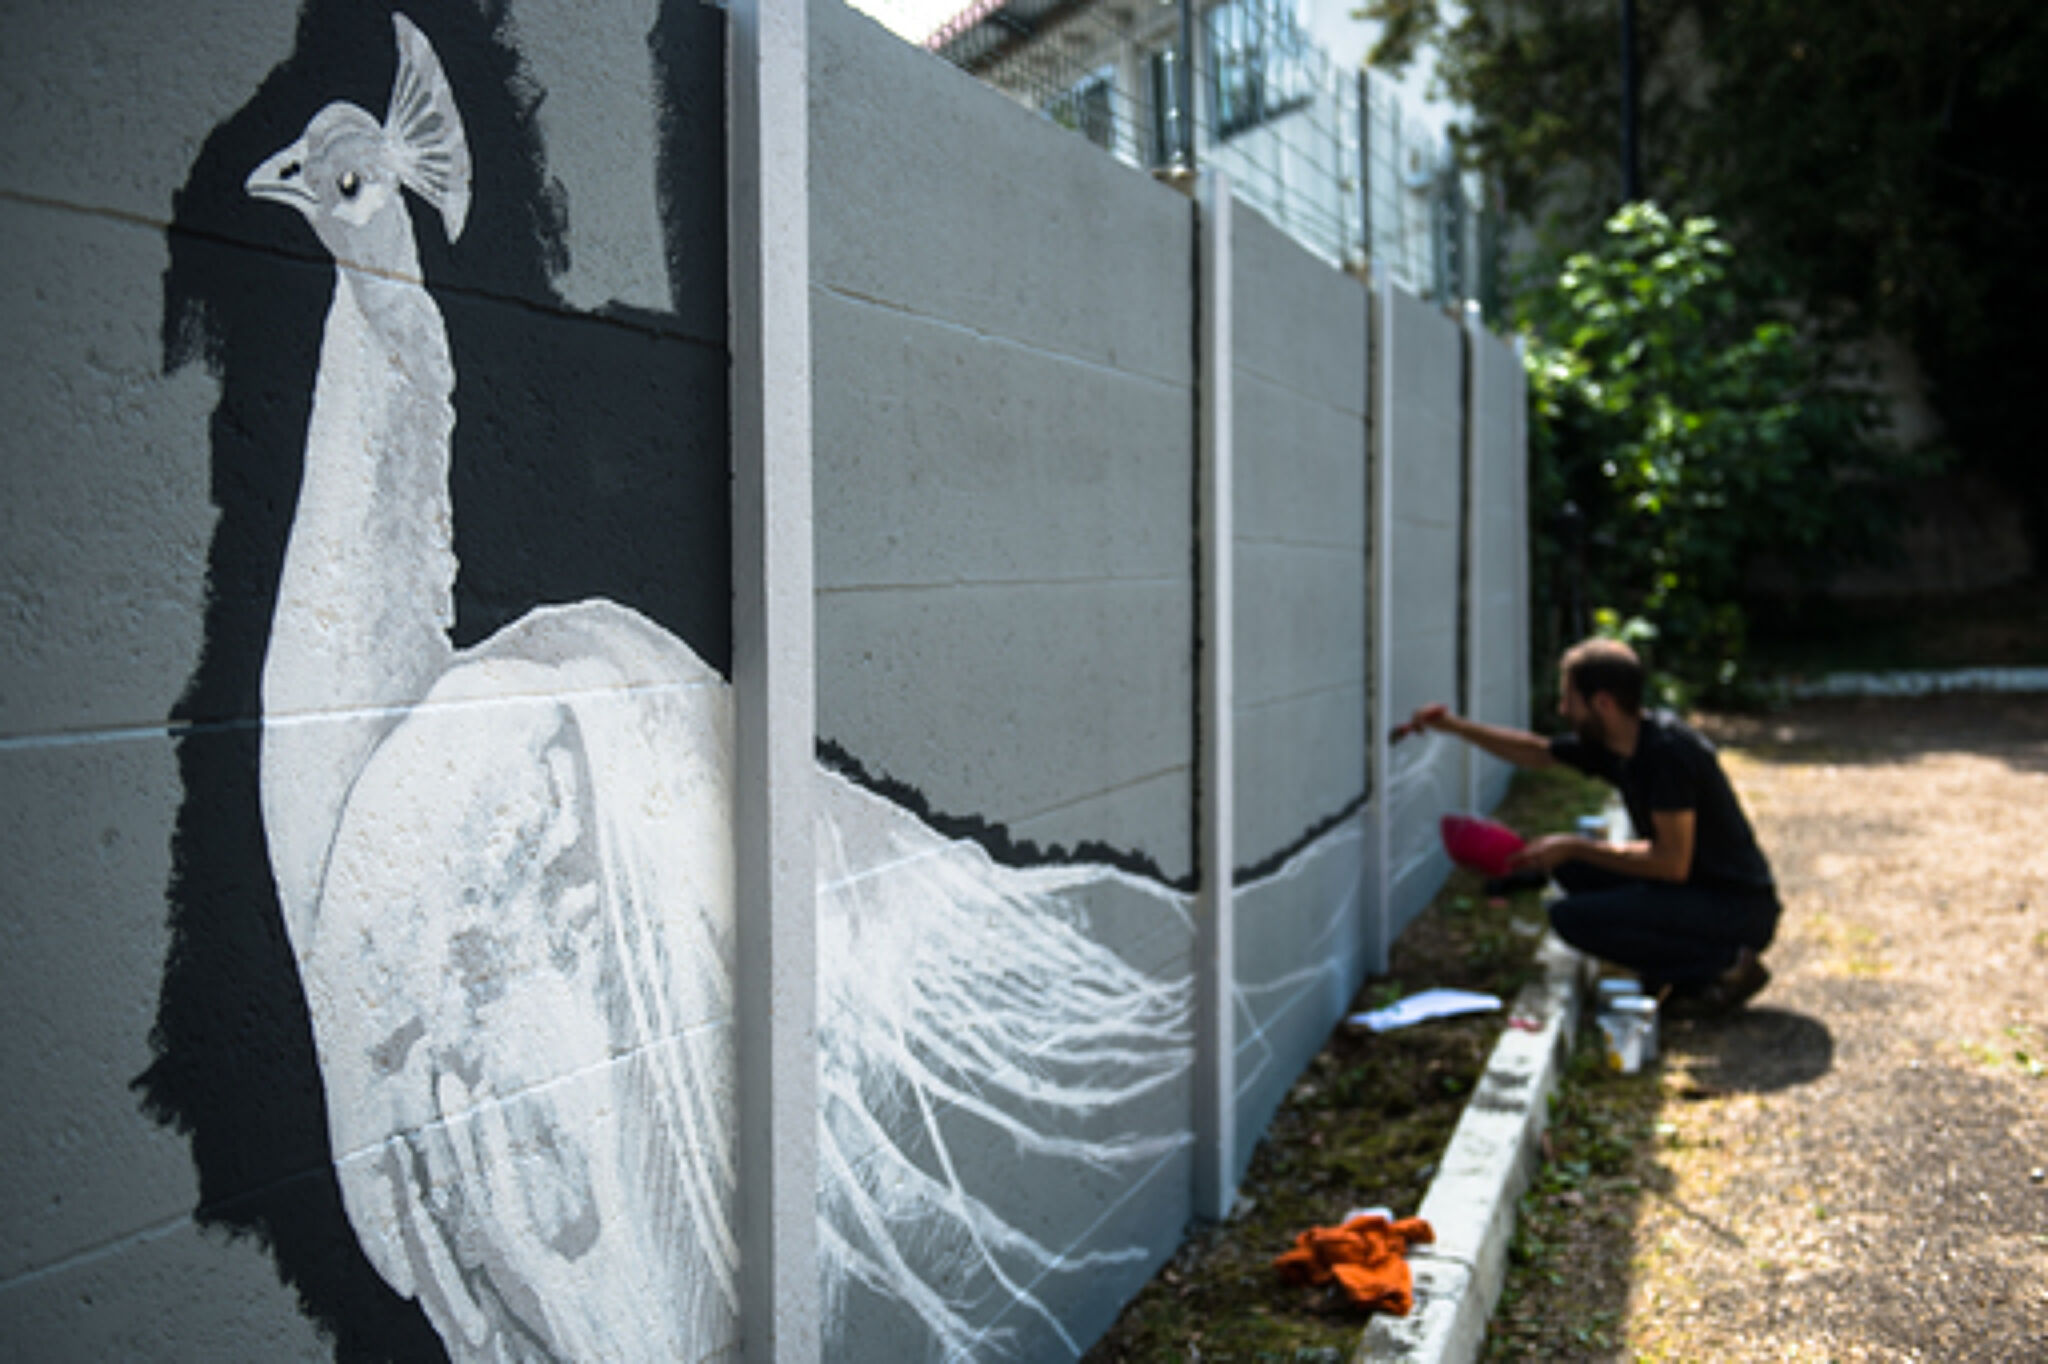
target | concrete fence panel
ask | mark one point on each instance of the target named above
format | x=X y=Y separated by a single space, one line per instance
x=1497 y=549
x=589 y=774
x=1302 y=618
x=1422 y=441
x=1005 y=496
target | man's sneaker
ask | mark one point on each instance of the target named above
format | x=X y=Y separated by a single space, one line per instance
x=1737 y=985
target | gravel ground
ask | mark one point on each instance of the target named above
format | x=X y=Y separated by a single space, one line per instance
x=1856 y=1167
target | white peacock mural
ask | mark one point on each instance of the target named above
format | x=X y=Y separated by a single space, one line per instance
x=505 y=872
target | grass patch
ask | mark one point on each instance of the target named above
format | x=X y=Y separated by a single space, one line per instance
x=1566 y=1284
x=1365 y=1125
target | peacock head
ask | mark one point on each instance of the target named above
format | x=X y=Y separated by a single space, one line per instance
x=344 y=173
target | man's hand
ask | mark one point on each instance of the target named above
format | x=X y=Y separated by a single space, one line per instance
x=1517 y=746
x=1548 y=852
x=1437 y=716
x=1664 y=856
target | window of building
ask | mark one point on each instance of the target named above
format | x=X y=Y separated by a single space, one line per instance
x=1170 y=124
x=1259 y=63
x=1088 y=106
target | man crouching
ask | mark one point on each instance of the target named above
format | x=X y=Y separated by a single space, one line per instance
x=1689 y=907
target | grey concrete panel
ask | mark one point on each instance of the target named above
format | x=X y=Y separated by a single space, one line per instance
x=104 y=521
x=1426 y=376
x=1428 y=469
x=107 y=109
x=947 y=455
x=1138 y=805
x=1301 y=945
x=1300 y=620
x=1502 y=593
x=1425 y=422
x=1145 y=1218
x=1300 y=322
x=1160 y=945
x=170 y=1292
x=1410 y=893
x=1425 y=654
x=85 y=834
x=1300 y=467
x=943 y=197
x=1015 y=702
x=1150 y=1215
x=598 y=119
x=1427 y=782
x=1299 y=762
x=1128 y=918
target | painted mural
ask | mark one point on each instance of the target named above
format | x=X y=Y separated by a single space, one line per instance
x=504 y=870
x=448 y=523
x=501 y=857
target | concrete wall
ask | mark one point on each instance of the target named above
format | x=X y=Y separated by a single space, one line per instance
x=1004 y=486
x=240 y=1131
x=171 y=1187
x=1302 y=615
x=1423 y=444
x=1004 y=471
x=1497 y=681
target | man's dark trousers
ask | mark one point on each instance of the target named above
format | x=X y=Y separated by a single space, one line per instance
x=1667 y=933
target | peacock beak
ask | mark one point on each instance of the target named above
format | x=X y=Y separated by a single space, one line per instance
x=282 y=179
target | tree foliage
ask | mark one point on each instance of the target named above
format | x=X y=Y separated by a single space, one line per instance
x=1878 y=161
x=1697 y=433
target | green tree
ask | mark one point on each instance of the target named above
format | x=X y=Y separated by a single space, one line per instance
x=1698 y=433
x=1878 y=160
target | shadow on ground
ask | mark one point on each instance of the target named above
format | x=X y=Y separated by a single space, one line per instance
x=1758 y=1051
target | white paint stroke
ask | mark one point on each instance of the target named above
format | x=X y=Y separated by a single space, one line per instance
x=506 y=874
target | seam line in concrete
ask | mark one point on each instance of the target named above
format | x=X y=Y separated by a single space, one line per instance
x=997 y=338
x=1279 y=384
x=179 y=729
x=1344 y=685
x=80 y=1258
x=1001 y=584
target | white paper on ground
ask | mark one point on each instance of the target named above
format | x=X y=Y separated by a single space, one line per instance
x=1425 y=1006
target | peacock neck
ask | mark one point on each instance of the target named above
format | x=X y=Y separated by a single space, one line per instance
x=365 y=600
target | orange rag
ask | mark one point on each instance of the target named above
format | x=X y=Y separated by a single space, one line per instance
x=1366 y=1256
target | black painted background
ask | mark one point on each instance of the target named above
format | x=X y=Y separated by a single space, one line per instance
x=590 y=459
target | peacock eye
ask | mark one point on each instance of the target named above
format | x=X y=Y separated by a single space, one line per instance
x=351 y=184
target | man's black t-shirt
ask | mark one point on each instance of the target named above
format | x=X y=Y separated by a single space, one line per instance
x=1675 y=768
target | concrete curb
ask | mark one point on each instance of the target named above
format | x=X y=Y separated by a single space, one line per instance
x=1492 y=1157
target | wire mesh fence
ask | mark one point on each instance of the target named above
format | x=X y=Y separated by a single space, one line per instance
x=1332 y=155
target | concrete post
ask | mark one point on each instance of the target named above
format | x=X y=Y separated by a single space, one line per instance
x=774 y=684
x=1479 y=556
x=1215 y=933
x=1380 y=725
x=1519 y=563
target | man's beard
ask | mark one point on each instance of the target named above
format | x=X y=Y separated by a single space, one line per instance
x=1592 y=730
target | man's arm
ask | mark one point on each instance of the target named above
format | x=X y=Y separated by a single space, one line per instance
x=1517 y=746
x=1666 y=855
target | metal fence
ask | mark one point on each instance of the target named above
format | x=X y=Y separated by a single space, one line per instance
x=1331 y=155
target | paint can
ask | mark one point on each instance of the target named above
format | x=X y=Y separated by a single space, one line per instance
x=1629 y=1026
x=1612 y=988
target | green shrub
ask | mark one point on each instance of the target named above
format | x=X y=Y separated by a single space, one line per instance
x=1699 y=435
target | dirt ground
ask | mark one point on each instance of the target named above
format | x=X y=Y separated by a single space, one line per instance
x=1856 y=1167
